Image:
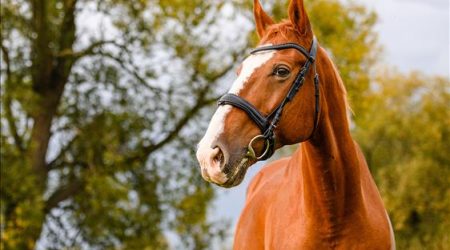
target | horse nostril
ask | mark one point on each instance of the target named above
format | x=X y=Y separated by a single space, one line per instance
x=218 y=157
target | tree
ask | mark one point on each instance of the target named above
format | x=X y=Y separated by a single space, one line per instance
x=100 y=101
x=405 y=137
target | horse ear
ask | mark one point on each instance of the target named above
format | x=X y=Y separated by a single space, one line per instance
x=298 y=16
x=262 y=20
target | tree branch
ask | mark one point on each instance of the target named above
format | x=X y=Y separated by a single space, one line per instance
x=202 y=101
x=181 y=123
x=63 y=193
x=8 y=101
x=133 y=72
x=178 y=126
x=66 y=41
x=90 y=50
x=41 y=53
x=54 y=163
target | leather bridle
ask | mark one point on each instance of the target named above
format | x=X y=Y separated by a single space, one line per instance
x=267 y=124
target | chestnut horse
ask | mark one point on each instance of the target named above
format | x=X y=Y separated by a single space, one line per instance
x=323 y=196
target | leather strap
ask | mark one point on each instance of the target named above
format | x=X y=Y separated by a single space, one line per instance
x=252 y=112
x=268 y=124
x=282 y=47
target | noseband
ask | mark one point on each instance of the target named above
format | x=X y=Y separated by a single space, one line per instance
x=267 y=124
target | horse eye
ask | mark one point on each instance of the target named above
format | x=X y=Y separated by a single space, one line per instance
x=281 y=71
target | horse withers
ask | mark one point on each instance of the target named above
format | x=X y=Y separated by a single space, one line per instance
x=289 y=91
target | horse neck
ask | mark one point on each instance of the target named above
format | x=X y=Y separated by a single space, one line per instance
x=330 y=174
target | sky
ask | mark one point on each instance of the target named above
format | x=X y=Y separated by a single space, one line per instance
x=414 y=35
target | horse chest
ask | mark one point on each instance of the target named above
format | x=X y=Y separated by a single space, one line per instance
x=276 y=222
x=275 y=218
x=273 y=221
x=268 y=224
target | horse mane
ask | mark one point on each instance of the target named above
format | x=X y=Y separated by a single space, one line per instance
x=341 y=88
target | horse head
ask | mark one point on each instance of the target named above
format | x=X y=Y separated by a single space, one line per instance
x=273 y=102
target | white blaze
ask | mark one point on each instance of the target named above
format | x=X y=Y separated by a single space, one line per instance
x=205 y=153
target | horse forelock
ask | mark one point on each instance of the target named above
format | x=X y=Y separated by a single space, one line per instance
x=285 y=32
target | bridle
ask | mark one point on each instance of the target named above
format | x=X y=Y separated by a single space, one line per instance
x=267 y=124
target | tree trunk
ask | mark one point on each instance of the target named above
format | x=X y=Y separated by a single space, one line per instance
x=50 y=75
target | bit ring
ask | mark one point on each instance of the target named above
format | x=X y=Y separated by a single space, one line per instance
x=251 y=152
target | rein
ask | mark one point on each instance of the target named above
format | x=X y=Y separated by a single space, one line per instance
x=267 y=124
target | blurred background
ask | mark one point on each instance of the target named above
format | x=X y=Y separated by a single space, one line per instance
x=103 y=103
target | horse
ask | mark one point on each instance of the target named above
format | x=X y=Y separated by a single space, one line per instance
x=288 y=91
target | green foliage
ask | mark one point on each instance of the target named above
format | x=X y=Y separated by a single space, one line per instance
x=405 y=137
x=348 y=34
x=99 y=126
x=21 y=202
